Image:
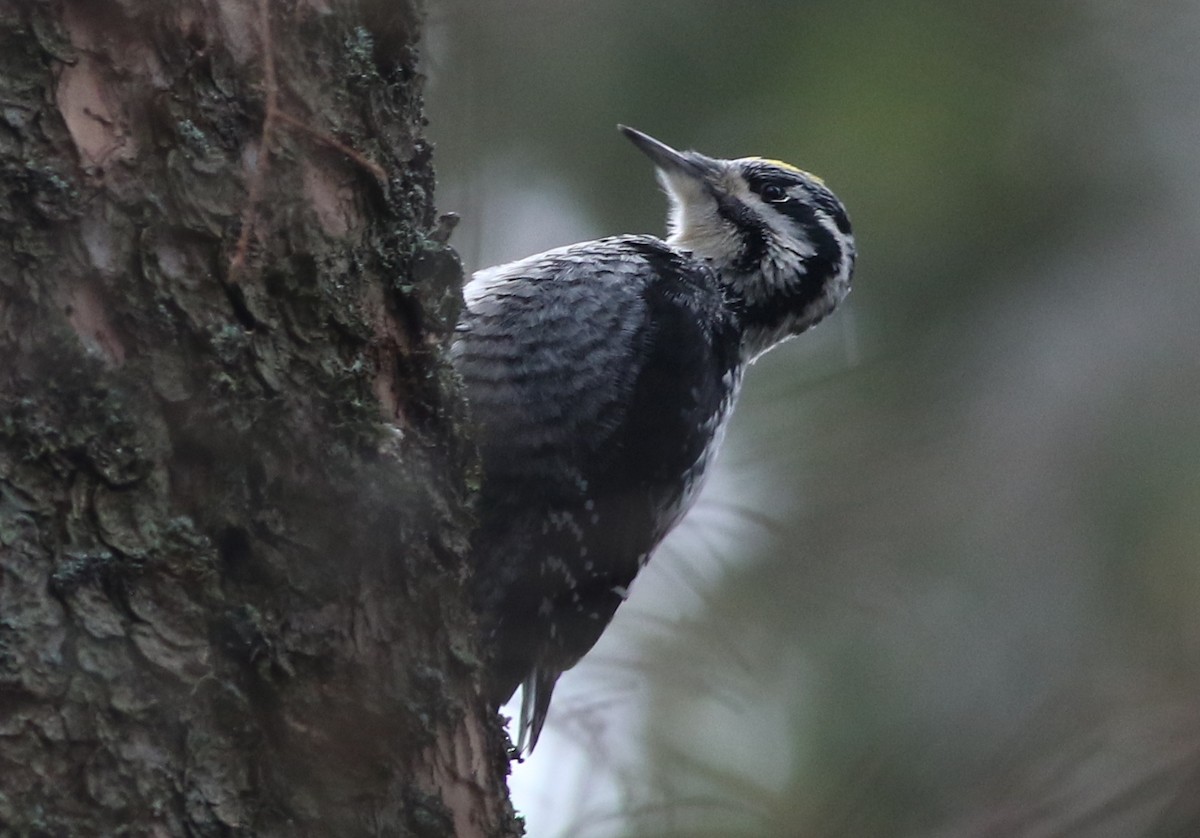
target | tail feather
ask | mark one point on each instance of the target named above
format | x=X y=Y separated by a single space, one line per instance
x=535 y=703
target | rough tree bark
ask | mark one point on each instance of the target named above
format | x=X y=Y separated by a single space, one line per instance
x=232 y=491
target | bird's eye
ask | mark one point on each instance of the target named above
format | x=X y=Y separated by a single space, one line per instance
x=773 y=193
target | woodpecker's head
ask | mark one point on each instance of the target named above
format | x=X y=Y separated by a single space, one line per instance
x=779 y=239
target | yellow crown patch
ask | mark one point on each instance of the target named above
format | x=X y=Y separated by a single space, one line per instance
x=789 y=167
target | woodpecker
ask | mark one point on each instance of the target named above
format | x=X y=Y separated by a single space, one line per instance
x=600 y=378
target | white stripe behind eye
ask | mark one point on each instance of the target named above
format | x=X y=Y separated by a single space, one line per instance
x=786 y=229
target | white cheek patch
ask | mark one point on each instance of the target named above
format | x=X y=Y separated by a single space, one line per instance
x=787 y=232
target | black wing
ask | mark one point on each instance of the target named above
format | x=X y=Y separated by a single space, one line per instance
x=596 y=375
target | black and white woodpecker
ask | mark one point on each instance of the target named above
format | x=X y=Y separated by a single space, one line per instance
x=601 y=376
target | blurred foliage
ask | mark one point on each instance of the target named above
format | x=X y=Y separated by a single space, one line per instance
x=961 y=591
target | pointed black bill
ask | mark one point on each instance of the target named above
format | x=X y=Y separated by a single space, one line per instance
x=668 y=159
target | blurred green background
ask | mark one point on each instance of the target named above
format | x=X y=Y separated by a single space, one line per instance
x=945 y=581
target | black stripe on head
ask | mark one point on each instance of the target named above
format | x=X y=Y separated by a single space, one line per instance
x=759 y=175
x=831 y=206
x=827 y=250
x=752 y=232
x=789 y=299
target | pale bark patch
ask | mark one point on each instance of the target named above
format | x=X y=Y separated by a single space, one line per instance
x=93 y=114
x=88 y=316
x=390 y=339
x=458 y=765
x=332 y=197
x=237 y=21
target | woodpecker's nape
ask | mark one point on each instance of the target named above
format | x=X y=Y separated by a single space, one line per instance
x=600 y=377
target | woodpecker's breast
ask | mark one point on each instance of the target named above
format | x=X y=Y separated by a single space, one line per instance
x=601 y=377
x=713 y=430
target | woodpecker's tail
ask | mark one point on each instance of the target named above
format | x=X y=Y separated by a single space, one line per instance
x=535 y=703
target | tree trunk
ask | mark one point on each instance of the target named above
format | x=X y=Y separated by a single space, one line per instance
x=232 y=492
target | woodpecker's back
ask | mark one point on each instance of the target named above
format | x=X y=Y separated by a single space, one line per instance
x=600 y=377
